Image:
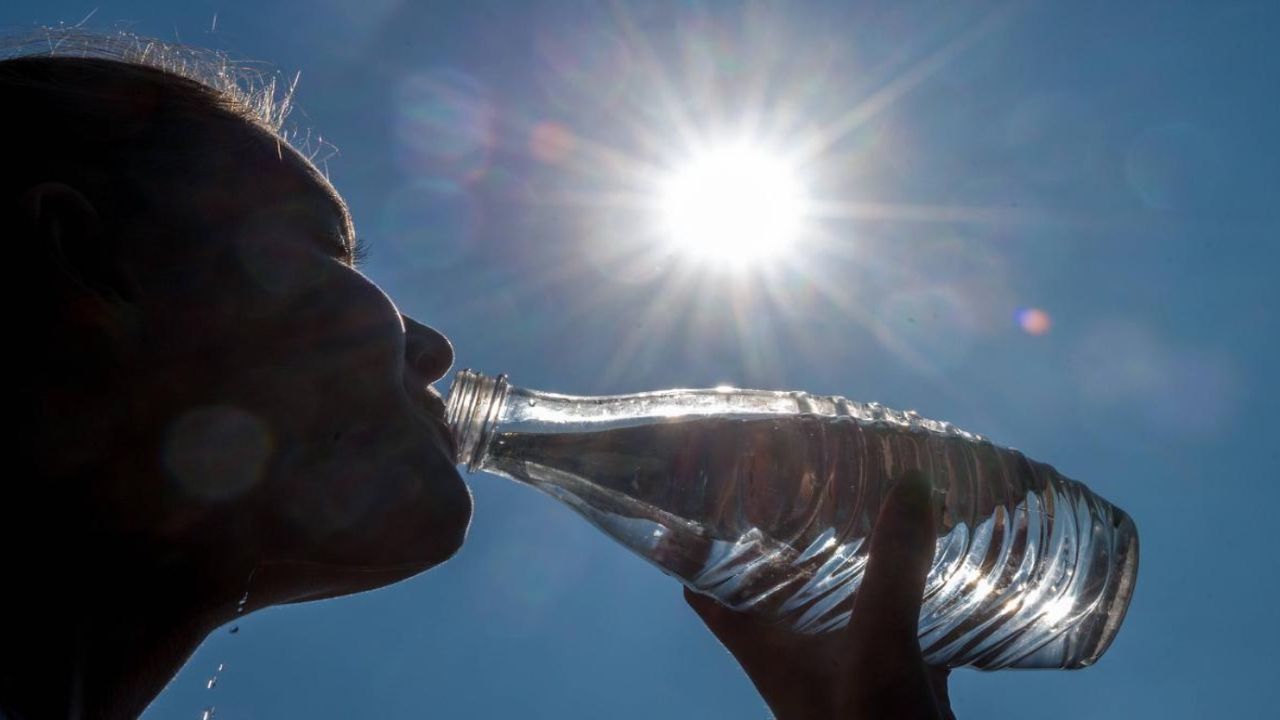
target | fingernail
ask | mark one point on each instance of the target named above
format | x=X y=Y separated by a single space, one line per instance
x=915 y=489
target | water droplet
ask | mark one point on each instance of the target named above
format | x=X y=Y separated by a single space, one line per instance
x=235 y=629
x=208 y=713
x=213 y=679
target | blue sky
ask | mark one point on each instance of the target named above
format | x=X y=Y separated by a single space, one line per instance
x=1109 y=165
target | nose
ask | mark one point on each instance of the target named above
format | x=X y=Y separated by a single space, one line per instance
x=426 y=351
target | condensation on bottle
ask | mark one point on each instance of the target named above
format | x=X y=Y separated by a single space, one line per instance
x=766 y=500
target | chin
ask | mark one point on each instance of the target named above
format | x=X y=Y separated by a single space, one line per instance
x=373 y=513
x=445 y=521
x=416 y=538
x=423 y=521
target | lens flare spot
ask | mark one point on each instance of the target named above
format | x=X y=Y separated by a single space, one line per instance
x=444 y=125
x=217 y=452
x=551 y=142
x=1034 y=321
x=1057 y=610
x=580 y=59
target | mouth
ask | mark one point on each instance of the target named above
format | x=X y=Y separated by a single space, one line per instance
x=431 y=405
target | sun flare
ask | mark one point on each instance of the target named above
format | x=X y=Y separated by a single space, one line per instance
x=733 y=205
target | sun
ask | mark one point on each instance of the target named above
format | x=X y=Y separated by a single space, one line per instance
x=733 y=205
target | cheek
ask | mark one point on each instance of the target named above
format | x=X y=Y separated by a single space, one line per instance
x=349 y=495
x=247 y=307
x=311 y=366
x=360 y=493
x=354 y=323
x=281 y=269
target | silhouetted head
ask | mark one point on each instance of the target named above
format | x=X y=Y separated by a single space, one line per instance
x=213 y=400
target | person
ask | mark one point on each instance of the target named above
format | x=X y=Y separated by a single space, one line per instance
x=220 y=412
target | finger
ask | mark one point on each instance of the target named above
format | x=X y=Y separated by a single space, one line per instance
x=887 y=604
x=890 y=676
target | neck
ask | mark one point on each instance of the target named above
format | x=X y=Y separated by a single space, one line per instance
x=98 y=649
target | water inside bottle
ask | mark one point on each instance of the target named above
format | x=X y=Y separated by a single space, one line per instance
x=773 y=514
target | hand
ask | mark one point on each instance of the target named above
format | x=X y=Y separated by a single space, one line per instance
x=871 y=669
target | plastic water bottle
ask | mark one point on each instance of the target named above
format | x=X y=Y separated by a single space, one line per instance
x=766 y=501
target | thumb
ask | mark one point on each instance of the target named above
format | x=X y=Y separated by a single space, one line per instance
x=758 y=644
x=739 y=632
x=711 y=612
x=887 y=604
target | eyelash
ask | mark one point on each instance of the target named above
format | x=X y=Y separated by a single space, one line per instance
x=359 y=251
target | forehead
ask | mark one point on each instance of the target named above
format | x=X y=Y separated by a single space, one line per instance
x=319 y=189
x=264 y=173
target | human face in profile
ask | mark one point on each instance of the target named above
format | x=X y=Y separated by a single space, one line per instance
x=295 y=423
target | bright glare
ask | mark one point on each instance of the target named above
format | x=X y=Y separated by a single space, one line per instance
x=733 y=205
x=1055 y=611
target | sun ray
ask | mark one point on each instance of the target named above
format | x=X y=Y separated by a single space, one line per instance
x=822 y=139
x=908 y=212
x=611 y=185
x=666 y=95
x=972 y=215
x=657 y=319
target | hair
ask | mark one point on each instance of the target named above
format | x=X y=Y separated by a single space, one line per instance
x=120 y=115
x=241 y=89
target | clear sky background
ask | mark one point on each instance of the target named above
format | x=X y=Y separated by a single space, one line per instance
x=1113 y=166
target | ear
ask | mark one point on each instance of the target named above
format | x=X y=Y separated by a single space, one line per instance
x=65 y=225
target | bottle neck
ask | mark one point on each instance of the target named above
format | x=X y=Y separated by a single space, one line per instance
x=474 y=404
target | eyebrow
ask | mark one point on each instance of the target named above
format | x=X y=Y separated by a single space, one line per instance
x=326 y=203
x=333 y=206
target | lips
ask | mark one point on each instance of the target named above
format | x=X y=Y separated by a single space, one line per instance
x=431 y=405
